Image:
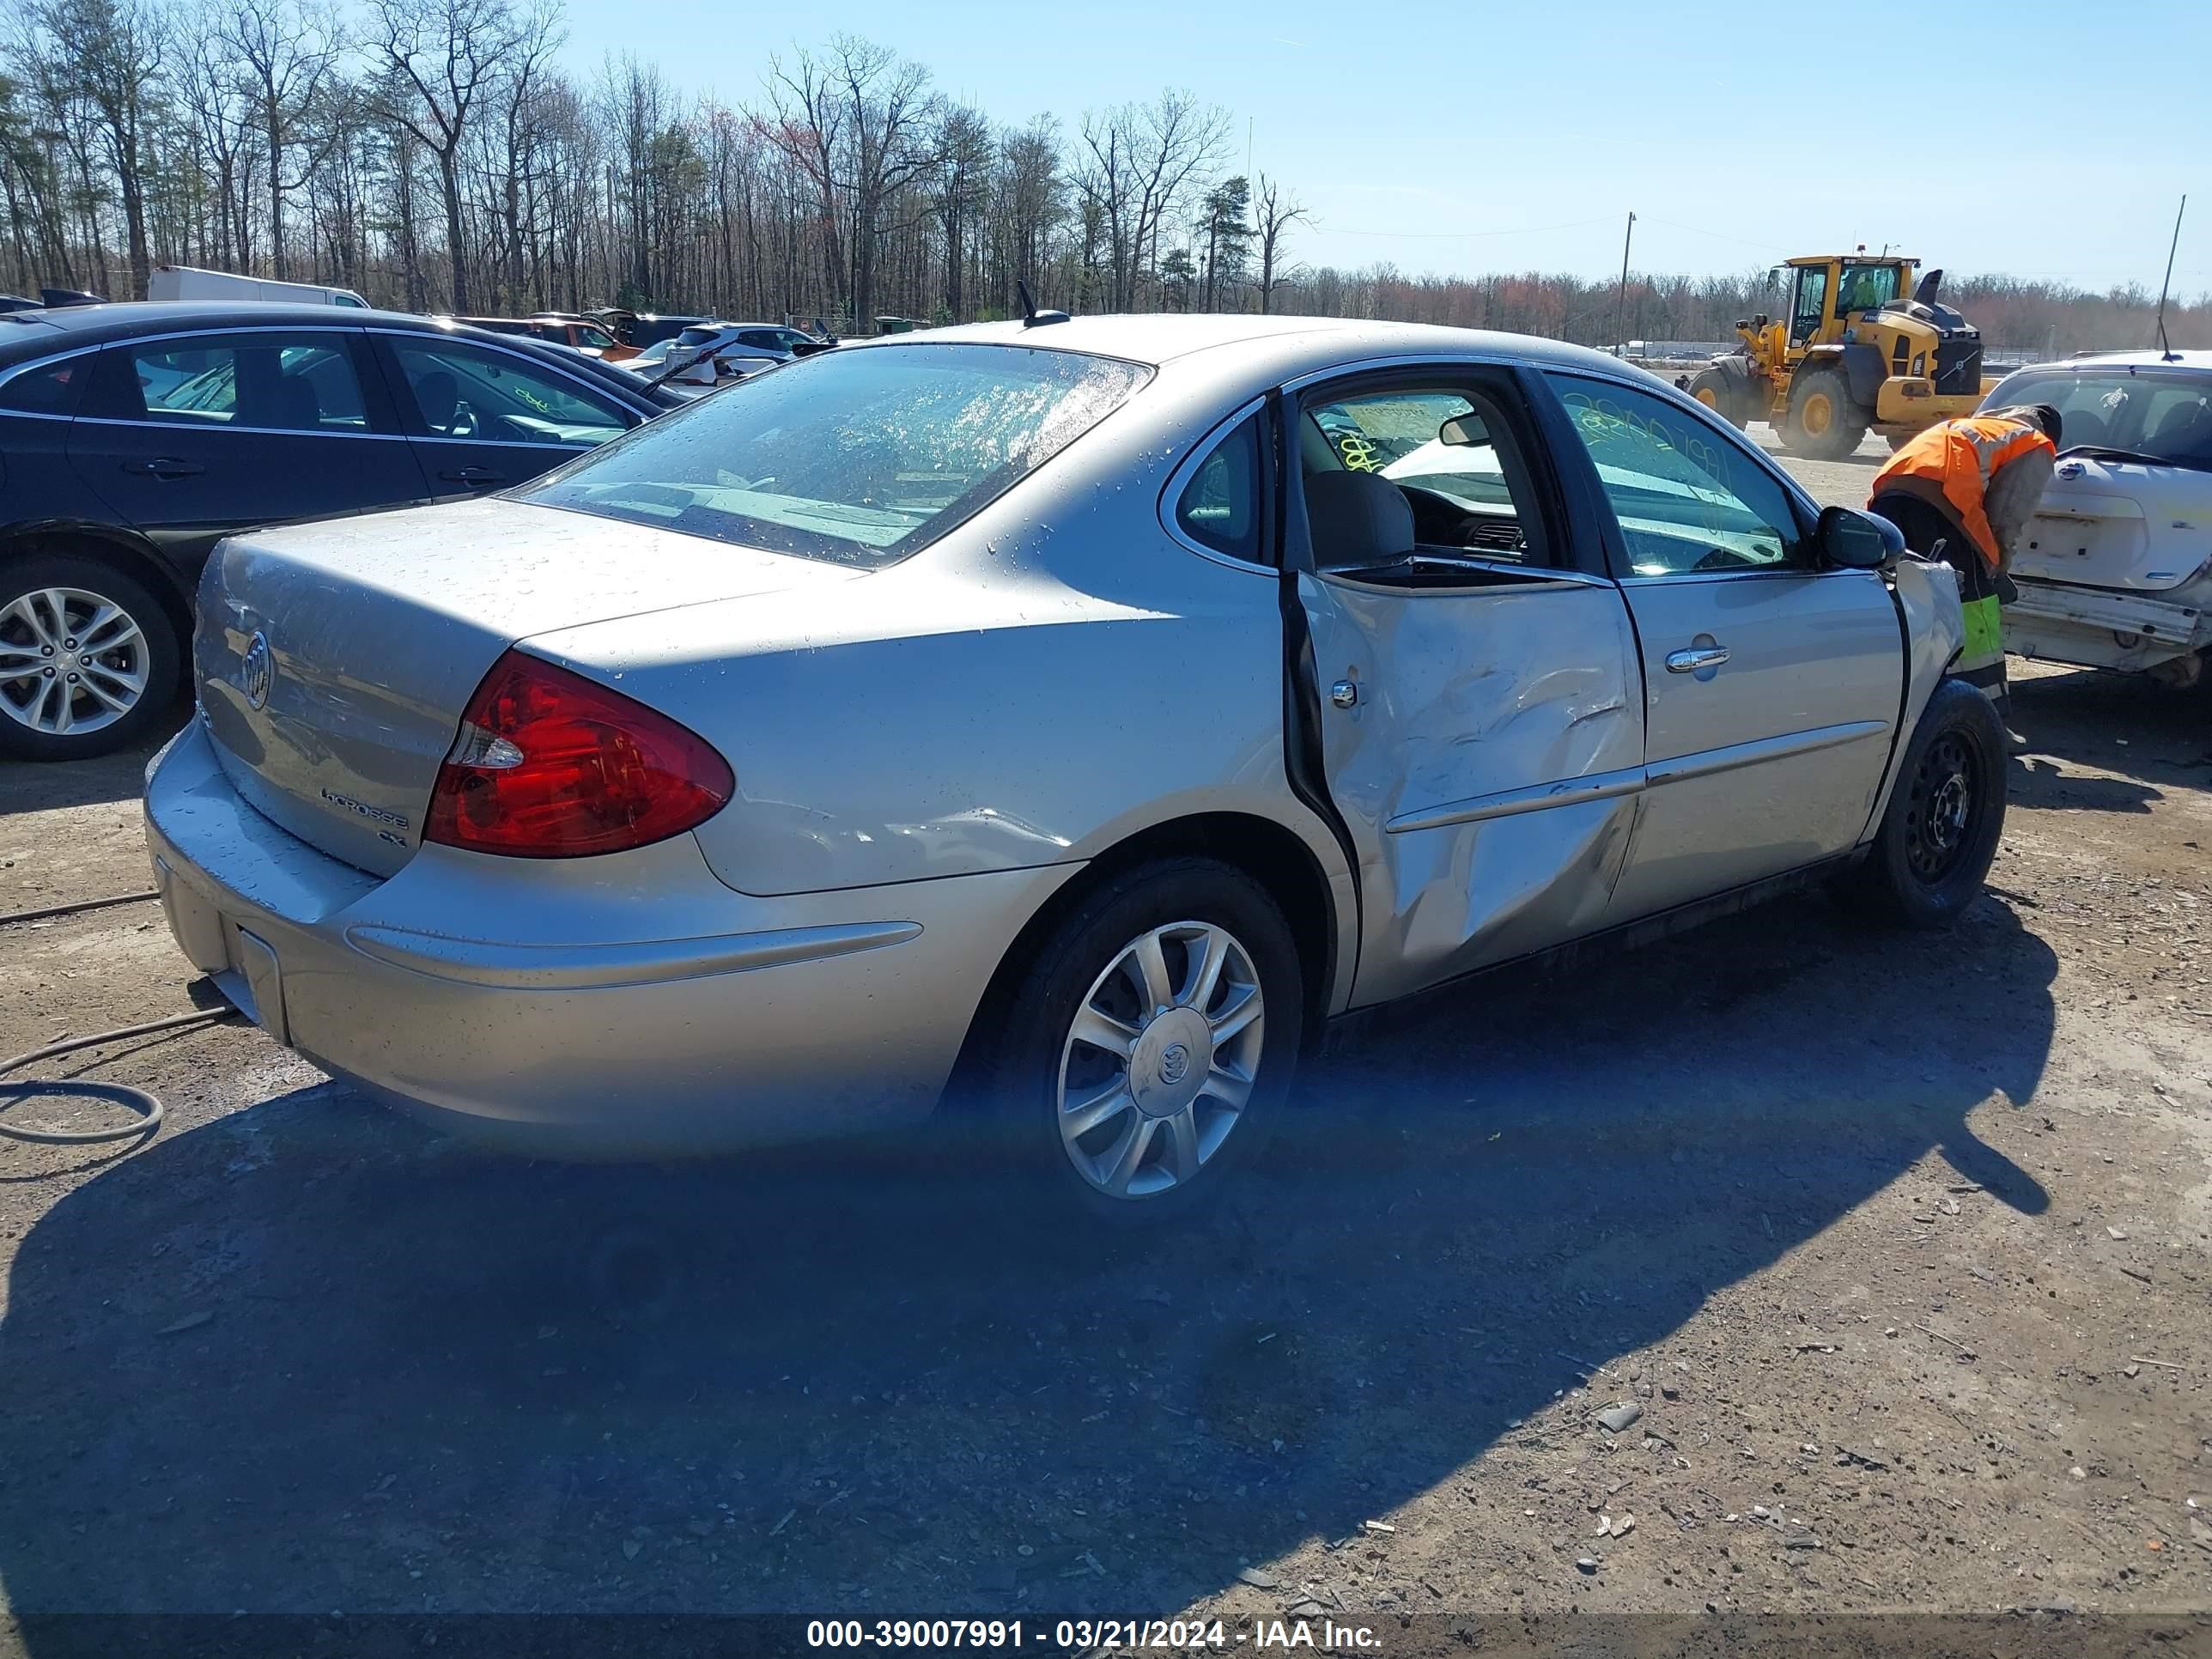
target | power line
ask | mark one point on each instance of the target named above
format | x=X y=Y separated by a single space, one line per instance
x=1717 y=235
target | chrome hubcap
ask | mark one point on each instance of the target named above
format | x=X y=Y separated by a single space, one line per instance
x=1160 y=1060
x=69 y=661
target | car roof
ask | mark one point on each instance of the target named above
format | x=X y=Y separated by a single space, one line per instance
x=2149 y=357
x=25 y=334
x=1292 y=344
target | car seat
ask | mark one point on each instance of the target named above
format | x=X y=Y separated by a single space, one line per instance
x=2183 y=431
x=293 y=405
x=438 y=395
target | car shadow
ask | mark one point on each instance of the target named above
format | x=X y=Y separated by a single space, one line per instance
x=311 y=1357
x=38 y=785
x=2037 y=784
x=2121 y=723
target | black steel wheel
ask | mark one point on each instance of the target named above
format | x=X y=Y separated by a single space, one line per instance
x=1939 y=834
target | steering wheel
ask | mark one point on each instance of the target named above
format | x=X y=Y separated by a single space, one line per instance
x=1437 y=520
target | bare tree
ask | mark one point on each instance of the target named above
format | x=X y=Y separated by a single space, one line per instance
x=1140 y=159
x=1030 y=192
x=440 y=56
x=112 y=54
x=963 y=181
x=859 y=119
x=1273 y=212
x=287 y=53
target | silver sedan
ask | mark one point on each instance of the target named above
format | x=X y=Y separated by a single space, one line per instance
x=1061 y=720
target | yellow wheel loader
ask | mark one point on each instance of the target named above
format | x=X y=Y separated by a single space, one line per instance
x=1862 y=348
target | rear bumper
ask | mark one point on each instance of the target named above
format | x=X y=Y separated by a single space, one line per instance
x=622 y=1006
x=2101 y=628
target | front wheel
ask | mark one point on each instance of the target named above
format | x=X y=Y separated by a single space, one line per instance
x=1939 y=834
x=1713 y=388
x=1152 y=1038
x=89 y=658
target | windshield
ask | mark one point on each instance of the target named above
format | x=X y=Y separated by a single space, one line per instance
x=859 y=456
x=2162 y=414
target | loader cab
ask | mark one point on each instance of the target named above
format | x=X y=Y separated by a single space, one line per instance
x=1828 y=291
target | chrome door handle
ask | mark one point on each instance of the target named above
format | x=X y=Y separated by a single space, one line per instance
x=1697 y=656
x=164 y=467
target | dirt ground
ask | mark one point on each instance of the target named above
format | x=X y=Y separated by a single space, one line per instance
x=1899 y=1249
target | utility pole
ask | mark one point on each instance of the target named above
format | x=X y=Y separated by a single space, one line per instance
x=2165 y=350
x=1620 y=306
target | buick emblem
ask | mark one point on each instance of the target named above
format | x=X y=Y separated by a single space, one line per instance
x=1174 y=1061
x=256 y=672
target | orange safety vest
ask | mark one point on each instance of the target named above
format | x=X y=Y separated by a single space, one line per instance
x=1958 y=459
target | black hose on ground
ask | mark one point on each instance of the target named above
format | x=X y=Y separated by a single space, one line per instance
x=140 y=1101
x=81 y=904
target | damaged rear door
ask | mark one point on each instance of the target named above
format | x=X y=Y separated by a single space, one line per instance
x=1479 y=732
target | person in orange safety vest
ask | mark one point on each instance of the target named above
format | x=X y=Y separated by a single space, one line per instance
x=1965 y=489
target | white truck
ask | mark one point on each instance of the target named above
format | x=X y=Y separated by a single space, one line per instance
x=186 y=282
x=2115 y=569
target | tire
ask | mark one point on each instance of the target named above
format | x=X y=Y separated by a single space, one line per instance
x=1717 y=393
x=1824 y=423
x=1915 y=875
x=1085 y=964
x=41 y=597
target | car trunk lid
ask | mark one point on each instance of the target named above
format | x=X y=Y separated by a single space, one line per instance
x=2119 y=524
x=334 y=660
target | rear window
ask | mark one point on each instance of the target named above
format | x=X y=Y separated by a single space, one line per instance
x=858 y=457
x=2156 y=415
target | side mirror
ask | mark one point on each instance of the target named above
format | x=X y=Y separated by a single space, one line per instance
x=1858 y=541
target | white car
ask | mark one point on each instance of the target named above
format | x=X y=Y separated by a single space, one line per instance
x=2115 y=570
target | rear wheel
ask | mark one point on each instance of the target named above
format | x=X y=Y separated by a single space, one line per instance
x=1152 y=1040
x=1825 y=424
x=1939 y=834
x=89 y=658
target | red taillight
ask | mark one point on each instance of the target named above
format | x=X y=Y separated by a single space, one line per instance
x=551 y=765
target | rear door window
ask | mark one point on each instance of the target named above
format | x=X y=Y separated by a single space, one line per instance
x=1452 y=454
x=272 y=381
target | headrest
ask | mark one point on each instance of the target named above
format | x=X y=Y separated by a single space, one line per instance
x=1357 y=518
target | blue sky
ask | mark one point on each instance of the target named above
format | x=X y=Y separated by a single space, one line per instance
x=2036 y=138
